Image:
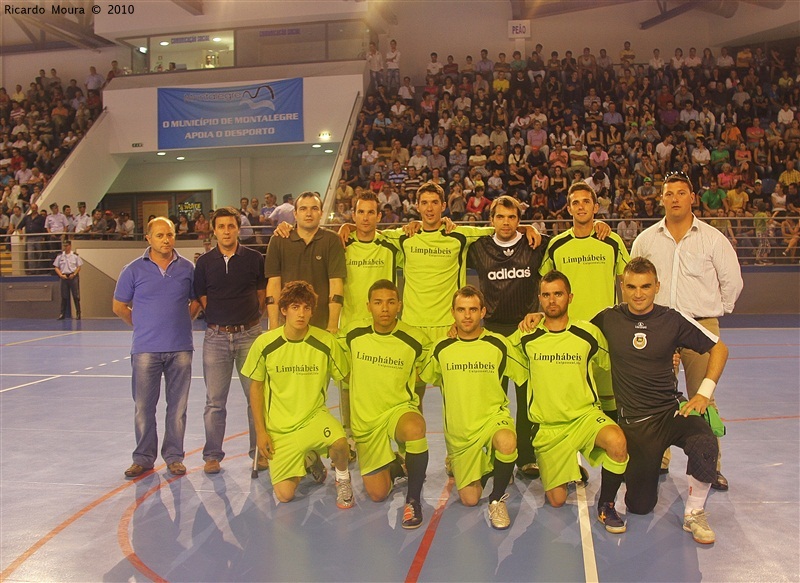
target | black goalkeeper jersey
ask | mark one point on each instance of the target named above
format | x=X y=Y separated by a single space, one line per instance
x=509 y=278
x=641 y=349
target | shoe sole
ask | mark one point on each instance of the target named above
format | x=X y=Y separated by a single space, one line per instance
x=178 y=473
x=412 y=526
x=500 y=527
x=697 y=540
x=614 y=529
x=142 y=473
x=212 y=472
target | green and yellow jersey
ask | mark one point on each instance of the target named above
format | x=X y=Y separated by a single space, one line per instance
x=469 y=373
x=592 y=267
x=383 y=370
x=295 y=375
x=435 y=266
x=366 y=263
x=561 y=386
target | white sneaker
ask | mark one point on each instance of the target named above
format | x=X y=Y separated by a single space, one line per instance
x=498 y=514
x=344 y=494
x=697 y=524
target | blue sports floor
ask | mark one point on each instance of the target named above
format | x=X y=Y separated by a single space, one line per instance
x=67 y=513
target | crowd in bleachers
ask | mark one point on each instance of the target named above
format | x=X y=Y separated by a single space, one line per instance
x=529 y=127
x=39 y=126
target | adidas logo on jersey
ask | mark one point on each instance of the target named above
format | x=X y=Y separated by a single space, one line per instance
x=509 y=273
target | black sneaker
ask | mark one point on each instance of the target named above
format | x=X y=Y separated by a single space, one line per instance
x=412 y=515
x=721 y=483
x=607 y=514
x=315 y=467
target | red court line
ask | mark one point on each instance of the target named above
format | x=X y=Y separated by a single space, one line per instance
x=761 y=357
x=761 y=418
x=85 y=510
x=123 y=529
x=430 y=532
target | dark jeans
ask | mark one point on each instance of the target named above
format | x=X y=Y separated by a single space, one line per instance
x=71 y=287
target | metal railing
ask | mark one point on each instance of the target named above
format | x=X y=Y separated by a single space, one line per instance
x=33 y=255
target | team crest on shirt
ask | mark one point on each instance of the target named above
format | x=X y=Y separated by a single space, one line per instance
x=319 y=257
x=641 y=326
x=639 y=340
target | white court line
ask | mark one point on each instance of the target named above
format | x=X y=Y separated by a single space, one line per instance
x=587 y=543
x=30 y=383
x=42 y=338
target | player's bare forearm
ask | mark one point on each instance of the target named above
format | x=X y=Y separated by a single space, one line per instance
x=123 y=312
x=257 y=406
x=336 y=285
x=717 y=357
x=272 y=293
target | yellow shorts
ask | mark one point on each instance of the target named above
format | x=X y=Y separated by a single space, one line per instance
x=321 y=431
x=474 y=461
x=556 y=445
x=374 y=446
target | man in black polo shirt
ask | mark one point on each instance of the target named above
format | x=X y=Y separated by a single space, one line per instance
x=309 y=254
x=229 y=282
x=653 y=414
x=508 y=271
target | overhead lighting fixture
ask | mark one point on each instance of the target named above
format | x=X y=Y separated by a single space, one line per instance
x=161 y=154
x=164 y=43
x=181 y=158
x=329 y=151
x=324 y=135
x=143 y=50
x=316 y=145
x=216 y=39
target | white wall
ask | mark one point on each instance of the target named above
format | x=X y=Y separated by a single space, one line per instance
x=464 y=28
x=70 y=64
x=229 y=178
x=164 y=16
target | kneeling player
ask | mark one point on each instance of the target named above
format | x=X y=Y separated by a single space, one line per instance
x=642 y=337
x=478 y=427
x=290 y=368
x=564 y=400
x=385 y=356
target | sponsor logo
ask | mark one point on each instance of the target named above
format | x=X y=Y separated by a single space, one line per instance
x=297 y=369
x=508 y=252
x=366 y=262
x=476 y=366
x=639 y=340
x=432 y=251
x=641 y=326
x=382 y=360
x=557 y=357
x=509 y=273
x=589 y=258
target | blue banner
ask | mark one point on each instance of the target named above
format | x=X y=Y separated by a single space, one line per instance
x=267 y=113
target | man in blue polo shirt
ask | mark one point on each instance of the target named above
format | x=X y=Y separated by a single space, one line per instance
x=155 y=295
x=230 y=285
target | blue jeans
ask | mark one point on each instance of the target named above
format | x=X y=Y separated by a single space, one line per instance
x=221 y=351
x=148 y=367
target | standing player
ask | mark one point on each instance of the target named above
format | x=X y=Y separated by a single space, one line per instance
x=508 y=271
x=229 y=282
x=478 y=428
x=388 y=409
x=699 y=271
x=590 y=264
x=309 y=254
x=561 y=354
x=642 y=338
x=290 y=368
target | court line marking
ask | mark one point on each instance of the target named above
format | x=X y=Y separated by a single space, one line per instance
x=587 y=542
x=430 y=533
x=761 y=418
x=30 y=383
x=123 y=528
x=42 y=338
x=85 y=510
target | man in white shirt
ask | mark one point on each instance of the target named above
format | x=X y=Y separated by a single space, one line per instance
x=699 y=272
x=393 y=67
x=375 y=64
x=83 y=220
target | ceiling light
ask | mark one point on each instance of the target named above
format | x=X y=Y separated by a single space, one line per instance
x=324 y=135
x=216 y=39
x=164 y=43
x=329 y=151
x=161 y=154
x=181 y=158
x=143 y=50
x=316 y=145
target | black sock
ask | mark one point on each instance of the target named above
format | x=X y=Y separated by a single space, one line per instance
x=485 y=478
x=609 y=485
x=417 y=466
x=502 y=476
x=395 y=469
